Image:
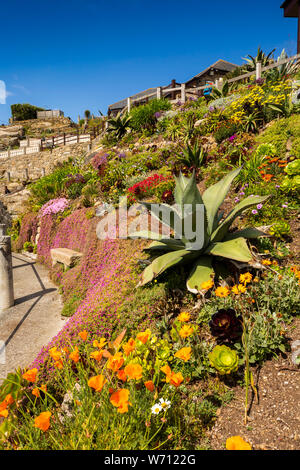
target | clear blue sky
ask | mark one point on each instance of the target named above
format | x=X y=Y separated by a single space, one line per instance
x=86 y=54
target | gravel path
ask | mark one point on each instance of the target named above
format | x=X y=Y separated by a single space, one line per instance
x=34 y=319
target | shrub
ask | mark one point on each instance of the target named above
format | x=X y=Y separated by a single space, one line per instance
x=143 y=117
x=22 y=112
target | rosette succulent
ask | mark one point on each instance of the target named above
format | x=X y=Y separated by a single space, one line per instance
x=293 y=168
x=206 y=257
x=225 y=325
x=224 y=359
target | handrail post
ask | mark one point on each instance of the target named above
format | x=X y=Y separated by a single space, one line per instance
x=183 y=94
x=159 y=92
x=129 y=104
x=6 y=271
x=258 y=70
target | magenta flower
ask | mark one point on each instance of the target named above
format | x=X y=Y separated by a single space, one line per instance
x=254 y=212
x=259 y=206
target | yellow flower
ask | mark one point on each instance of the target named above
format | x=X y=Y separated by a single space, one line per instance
x=185 y=331
x=237 y=443
x=207 y=285
x=245 y=278
x=266 y=262
x=235 y=290
x=184 y=317
x=222 y=292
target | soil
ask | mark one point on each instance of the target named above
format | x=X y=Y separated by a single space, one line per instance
x=273 y=422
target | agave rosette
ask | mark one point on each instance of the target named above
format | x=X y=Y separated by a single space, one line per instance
x=219 y=243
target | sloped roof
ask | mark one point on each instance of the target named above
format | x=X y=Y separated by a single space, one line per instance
x=291 y=8
x=219 y=65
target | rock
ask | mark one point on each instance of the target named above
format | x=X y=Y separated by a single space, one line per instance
x=65 y=256
x=199 y=122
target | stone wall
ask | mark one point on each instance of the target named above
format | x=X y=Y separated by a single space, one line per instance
x=32 y=167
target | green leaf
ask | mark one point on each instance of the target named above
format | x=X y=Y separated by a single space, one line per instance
x=223 y=228
x=166 y=245
x=160 y=264
x=214 y=196
x=201 y=272
x=236 y=249
x=249 y=232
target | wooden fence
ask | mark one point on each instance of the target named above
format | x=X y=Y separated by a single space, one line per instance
x=218 y=83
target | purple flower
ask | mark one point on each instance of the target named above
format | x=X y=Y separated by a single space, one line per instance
x=236 y=199
x=254 y=212
x=157 y=114
x=277 y=186
x=242 y=193
x=232 y=138
x=259 y=206
x=284 y=205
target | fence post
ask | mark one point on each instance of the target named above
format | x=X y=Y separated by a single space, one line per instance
x=26 y=174
x=258 y=70
x=6 y=272
x=128 y=104
x=64 y=138
x=220 y=83
x=183 y=95
x=8 y=176
x=159 y=92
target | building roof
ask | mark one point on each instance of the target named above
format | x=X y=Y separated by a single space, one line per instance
x=291 y=8
x=219 y=65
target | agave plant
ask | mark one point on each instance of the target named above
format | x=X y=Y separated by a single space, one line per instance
x=119 y=125
x=192 y=156
x=282 y=71
x=260 y=57
x=222 y=93
x=218 y=244
x=224 y=359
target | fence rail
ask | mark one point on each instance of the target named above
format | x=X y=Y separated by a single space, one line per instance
x=218 y=83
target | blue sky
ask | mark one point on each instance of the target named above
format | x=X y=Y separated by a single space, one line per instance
x=75 y=55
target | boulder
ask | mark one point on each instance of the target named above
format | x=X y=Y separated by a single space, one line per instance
x=65 y=256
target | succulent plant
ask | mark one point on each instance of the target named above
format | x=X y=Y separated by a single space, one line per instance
x=224 y=359
x=218 y=244
x=225 y=325
x=293 y=168
x=280 y=229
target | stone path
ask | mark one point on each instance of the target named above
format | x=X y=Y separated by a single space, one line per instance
x=34 y=319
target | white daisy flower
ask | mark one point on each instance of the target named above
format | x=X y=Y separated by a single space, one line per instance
x=156 y=409
x=165 y=404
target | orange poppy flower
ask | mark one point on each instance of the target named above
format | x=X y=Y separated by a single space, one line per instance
x=97 y=355
x=184 y=353
x=122 y=375
x=144 y=336
x=42 y=422
x=3 y=413
x=99 y=344
x=134 y=371
x=237 y=443
x=9 y=399
x=129 y=346
x=74 y=355
x=55 y=354
x=149 y=385
x=83 y=335
x=119 y=399
x=176 y=379
x=30 y=375
x=115 y=362
x=59 y=364
x=36 y=392
x=167 y=370
x=97 y=382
